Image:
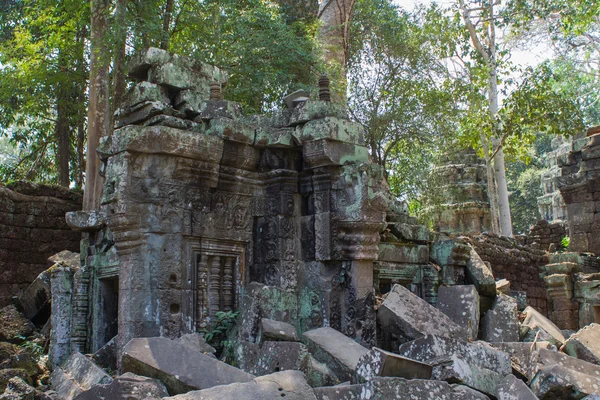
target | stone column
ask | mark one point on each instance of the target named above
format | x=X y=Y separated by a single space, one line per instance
x=62 y=312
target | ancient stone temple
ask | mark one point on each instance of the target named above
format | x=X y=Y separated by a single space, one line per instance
x=199 y=200
x=464 y=207
x=579 y=186
x=551 y=204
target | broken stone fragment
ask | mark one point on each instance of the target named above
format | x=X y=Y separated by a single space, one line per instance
x=76 y=375
x=435 y=347
x=503 y=286
x=585 y=344
x=179 y=367
x=404 y=316
x=340 y=392
x=319 y=374
x=35 y=300
x=480 y=274
x=461 y=392
x=281 y=356
x=14 y=327
x=399 y=388
x=173 y=122
x=207 y=110
x=461 y=304
x=19 y=389
x=276 y=330
x=558 y=382
x=501 y=322
x=520 y=352
x=128 y=386
x=141 y=62
x=142 y=112
x=16 y=357
x=82 y=221
x=6 y=375
x=288 y=385
x=535 y=322
x=197 y=342
x=331 y=128
x=143 y=92
x=547 y=358
x=512 y=388
x=65 y=258
x=379 y=362
x=106 y=356
x=337 y=350
x=458 y=370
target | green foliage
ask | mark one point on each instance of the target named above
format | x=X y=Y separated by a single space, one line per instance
x=219 y=328
x=565 y=242
x=32 y=345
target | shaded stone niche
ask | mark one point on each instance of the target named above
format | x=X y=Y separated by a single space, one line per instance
x=200 y=200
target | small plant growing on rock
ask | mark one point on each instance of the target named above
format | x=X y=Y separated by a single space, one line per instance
x=565 y=242
x=218 y=330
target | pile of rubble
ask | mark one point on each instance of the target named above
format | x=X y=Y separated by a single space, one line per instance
x=425 y=352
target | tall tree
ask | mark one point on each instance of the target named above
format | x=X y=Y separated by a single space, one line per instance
x=99 y=110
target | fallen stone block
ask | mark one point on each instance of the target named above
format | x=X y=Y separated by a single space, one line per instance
x=7 y=374
x=557 y=382
x=480 y=274
x=336 y=350
x=281 y=356
x=76 y=375
x=319 y=374
x=288 y=385
x=585 y=344
x=461 y=392
x=512 y=388
x=34 y=303
x=458 y=370
x=14 y=327
x=18 y=389
x=501 y=322
x=461 y=304
x=106 y=356
x=503 y=286
x=340 y=392
x=521 y=352
x=535 y=322
x=379 y=362
x=127 y=387
x=400 y=388
x=547 y=358
x=276 y=330
x=65 y=258
x=479 y=354
x=181 y=368
x=404 y=316
x=196 y=341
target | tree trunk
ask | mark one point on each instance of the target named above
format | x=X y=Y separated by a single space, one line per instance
x=99 y=105
x=164 y=41
x=334 y=17
x=120 y=52
x=491 y=187
x=61 y=132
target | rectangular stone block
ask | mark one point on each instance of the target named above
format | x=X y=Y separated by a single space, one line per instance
x=480 y=275
x=403 y=253
x=379 y=362
x=461 y=304
x=458 y=370
x=501 y=322
x=404 y=316
x=179 y=367
x=337 y=350
x=585 y=344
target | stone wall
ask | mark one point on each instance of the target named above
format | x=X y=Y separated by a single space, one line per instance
x=547 y=236
x=32 y=228
x=517 y=263
x=579 y=185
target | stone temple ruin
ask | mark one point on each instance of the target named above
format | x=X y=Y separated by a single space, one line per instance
x=338 y=293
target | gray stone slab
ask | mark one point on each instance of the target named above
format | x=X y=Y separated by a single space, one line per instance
x=76 y=375
x=281 y=356
x=336 y=350
x=461 y=392
x=558 y=382
x=501 y=322
x=127 y=387
x=461 y=304
x=535 y=322
x=585 y=344
x=404 y=316
x=288 y=385
x=342 y=392
x=400 y=388
x=520 y=352
x=480 y=274
x=179 y=367
x=458 y=370
x=546 y=358
x=276 y=330
x=479 y=354
x=378 y=362
x=196 y=341
x=512 y=388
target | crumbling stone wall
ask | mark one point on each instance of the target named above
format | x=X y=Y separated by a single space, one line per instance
x=32 y=228
x=518 y=263
x=547 y=236
x=579 y=186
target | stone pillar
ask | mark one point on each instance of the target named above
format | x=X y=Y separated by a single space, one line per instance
x=62 y=312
